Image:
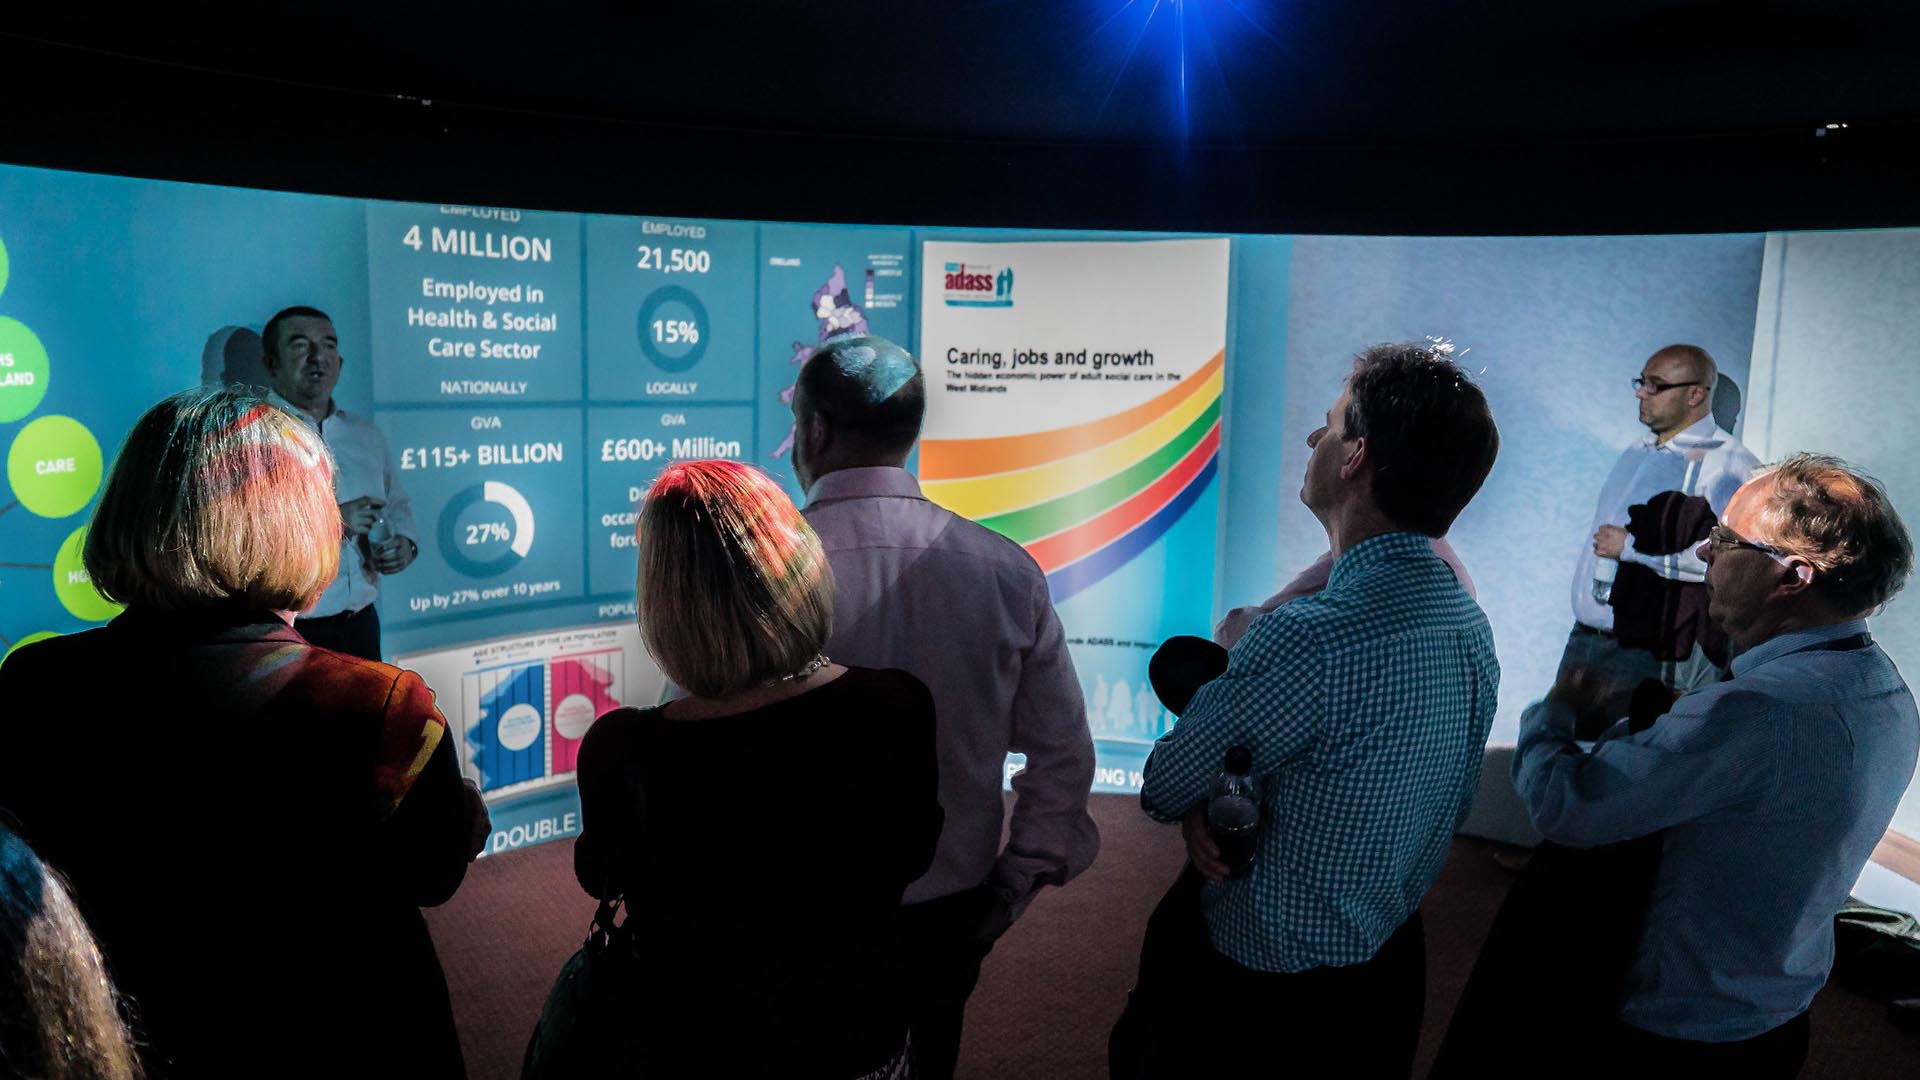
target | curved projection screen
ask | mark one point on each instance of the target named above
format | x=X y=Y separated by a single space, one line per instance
x=1130 y=407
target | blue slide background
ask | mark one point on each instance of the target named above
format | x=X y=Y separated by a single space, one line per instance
x=140 y=288
x=131 y=283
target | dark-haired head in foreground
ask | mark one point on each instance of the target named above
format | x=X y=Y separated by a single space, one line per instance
x=58 y=1015
x=1405 y=448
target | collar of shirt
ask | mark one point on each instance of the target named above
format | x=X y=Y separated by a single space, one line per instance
x=878 y=481
x=1702 y=434
x=1375 y=550
x=302 y=414
x=1781 y=644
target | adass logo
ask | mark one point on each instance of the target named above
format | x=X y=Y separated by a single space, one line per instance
x=978 y=285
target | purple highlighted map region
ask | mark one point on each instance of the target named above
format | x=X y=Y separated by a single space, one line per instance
x=839 y=316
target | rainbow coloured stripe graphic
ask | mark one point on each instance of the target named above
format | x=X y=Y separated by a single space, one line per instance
x=1084 y=500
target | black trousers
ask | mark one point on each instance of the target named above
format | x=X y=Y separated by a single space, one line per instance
x=940 y=957
x=1771 y=1055
x=356 y=633
x=1200 y=1013
x=1366 y=1016
x=1553 y=965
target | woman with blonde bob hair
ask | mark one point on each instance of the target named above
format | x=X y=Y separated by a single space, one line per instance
x=231 y=505
x=312 y=801
x=762 y=828
x=734 y=588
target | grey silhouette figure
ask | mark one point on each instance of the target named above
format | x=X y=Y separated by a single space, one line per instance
x=1726 y=403
x=233 y=355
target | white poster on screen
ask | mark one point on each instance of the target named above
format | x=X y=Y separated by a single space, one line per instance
x=1013 y=334
x=1074 y=398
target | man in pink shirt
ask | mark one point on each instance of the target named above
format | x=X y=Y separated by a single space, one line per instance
x=967 y=611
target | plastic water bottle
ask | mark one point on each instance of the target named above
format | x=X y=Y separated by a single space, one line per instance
x=1604 y=571
x=1233 y=813
x=378 y=535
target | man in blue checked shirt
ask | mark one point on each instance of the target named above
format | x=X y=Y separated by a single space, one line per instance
x=1366 y=709
x=1769 y=790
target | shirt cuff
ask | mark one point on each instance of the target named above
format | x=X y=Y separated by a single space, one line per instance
x=1629 y=554
x=1550 y=718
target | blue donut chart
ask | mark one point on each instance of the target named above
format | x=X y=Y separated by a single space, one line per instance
x=657 y=299
x=502 y=495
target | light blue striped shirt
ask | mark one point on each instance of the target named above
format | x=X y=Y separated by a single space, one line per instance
x=1773 y=789
x=1366 y=708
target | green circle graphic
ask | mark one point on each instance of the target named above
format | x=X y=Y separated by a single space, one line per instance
x=54 y=466
x=72 y=585
x=38 y=635
x=23 y=370
x=3 y=266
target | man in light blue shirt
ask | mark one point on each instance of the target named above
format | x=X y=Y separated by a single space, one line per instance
x=1770 y=790
x=1365 y=709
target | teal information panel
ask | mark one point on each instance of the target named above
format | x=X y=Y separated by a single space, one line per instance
x=531 y=372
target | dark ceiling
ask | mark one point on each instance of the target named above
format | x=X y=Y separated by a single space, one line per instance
x=1497 y=116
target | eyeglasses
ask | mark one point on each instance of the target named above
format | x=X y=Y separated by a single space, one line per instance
x=1655 y=386
x=1722 y=537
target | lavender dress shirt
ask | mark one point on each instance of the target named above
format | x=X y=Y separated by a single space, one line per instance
x=966 y=610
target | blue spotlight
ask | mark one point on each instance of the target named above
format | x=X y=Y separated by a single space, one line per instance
x=1176 y=40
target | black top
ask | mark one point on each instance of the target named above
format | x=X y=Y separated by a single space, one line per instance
x=249 y=824
x=763 y=873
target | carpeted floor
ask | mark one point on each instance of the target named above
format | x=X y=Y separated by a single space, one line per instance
x=1055 y=983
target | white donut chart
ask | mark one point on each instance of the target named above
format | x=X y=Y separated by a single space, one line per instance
x=507 y=498
x=516 y=504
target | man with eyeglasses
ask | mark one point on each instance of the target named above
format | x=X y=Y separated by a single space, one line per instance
x=1639 y=606
x=1770 y=791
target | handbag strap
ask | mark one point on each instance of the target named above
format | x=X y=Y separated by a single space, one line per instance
x=646 y=733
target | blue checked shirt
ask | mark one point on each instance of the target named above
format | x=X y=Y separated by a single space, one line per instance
x=1366 y=708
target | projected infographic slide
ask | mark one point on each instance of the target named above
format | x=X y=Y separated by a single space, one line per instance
x=1071 y=412
x=473 y=303
x=818 y=283
x=533 y=372
x=496 y=494
x=627 y=448
x=518 y=707
x=670 y=309
x=54 y=470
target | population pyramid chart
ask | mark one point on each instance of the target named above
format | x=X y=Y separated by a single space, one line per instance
x=517 y=708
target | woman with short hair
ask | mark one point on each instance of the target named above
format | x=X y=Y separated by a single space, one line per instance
x=762 y=828
x=249 y=823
